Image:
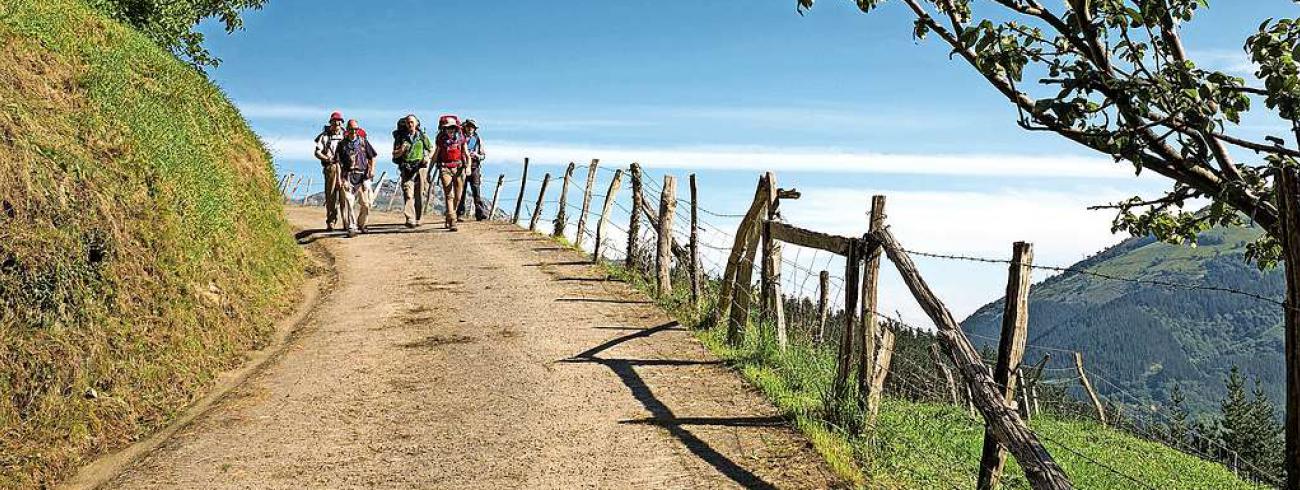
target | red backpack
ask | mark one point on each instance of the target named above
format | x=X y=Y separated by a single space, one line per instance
x=450 y=148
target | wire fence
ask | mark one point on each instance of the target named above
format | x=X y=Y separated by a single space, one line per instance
x=811 y=288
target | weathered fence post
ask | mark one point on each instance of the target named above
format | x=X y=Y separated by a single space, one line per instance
x=1041 y=471
x=844 y=357
x=523 y=183
x=562 y=215
x=663 y=249
x=634 y=221
x=872 y=353
x=392 y=196
x=823 y=303
x=945 y=372
x=586 y=202
x=289 y=197
x=284 y=181
x=492 y=212
x=694 y=269
x=743 y=249
x=306 y=192
x=1087 y=386
x=884 y=357
x=1026 y=409
x=537 y=209
x=1288 y=195
x=1011 y=350
x=745 y=273
x=604 y=215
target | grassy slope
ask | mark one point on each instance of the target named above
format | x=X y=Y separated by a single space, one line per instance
x=1170 y=336
x=924 y=445
x=142 y=246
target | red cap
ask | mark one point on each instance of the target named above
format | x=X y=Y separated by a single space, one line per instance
x=362 y=132
x=336 y=116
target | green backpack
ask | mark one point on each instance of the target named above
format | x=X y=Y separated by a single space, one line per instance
x=416 y=151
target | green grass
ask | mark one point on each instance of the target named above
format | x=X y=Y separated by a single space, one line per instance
x=143 y=248
x=927 y=445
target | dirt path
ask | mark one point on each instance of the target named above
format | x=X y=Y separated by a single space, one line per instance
x=485 y=358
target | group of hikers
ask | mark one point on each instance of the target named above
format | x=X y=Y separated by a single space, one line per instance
x=455 y=154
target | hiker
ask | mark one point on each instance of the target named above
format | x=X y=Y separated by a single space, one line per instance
x=452 y=160
x=355 y=158
x=326 y=142
x=474 y=181
x=412 y=152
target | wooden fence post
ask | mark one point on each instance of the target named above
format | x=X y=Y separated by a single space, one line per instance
x=492 y=212
x=695 y=245
x=562 y=215
x=1087 y=386
x=537 y=209
x=773 y=306
x=284 y=182
x=586 y=202
x=744 y=274
x=823 y=303
x=844 y=357
x=745 y=241
x=870 y=352
x=663 y=249
x=945 y=372
x=1288 y=195
x=884 y=357
x=1011 y=351
x=1041 y=471
x=306 y=192
x=604 y=215
x=289 y=198
x=523 y=183
x=634 y=221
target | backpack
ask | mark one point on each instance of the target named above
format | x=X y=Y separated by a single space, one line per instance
x=450 y=149
x=416 y=148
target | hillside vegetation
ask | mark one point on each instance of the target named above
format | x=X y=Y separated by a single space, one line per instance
x=1147 y=338
x=920 y=442
x=142 y=244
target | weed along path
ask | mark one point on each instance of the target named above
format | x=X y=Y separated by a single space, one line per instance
x=486 y=358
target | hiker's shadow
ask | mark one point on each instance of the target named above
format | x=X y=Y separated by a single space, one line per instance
x=306 y=237
x=661 y=415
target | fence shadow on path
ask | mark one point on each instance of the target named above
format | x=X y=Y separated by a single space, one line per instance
x=661 y=415
x=306 y=237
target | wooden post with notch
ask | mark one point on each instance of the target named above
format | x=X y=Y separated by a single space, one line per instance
x=1011 y=351
x=743 y=292
x=1008 y=429
x=694 y=269
x=873 y=357
x=492 y=212
x=537 y=208
x=523 y=184
x=823 y=303
x=884 y=357
x=604 y=215
x=586 y=203
x=562 y=215
x=663 y=244
x=634 y=221
x=1087 y=387
x=770 y=279
x=742 y=245
x=844 y=356
x=1288 y=195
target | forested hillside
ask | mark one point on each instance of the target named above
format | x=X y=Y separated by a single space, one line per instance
x=1145 y=338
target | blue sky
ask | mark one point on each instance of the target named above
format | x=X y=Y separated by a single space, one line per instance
x=840 y=104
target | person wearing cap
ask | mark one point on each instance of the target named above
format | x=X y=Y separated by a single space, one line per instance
x=473 y=181
x=326 y=142
x=355 y=158
x=452 y=159
x=412 y=152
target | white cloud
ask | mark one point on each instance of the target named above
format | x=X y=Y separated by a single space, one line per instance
x=762 y=158
x=1229 y=61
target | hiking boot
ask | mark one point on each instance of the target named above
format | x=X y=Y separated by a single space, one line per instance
x=352 y=233
x=329 y=227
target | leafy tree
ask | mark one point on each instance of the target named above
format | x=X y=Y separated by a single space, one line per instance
x=171 y=23
x=1114 y=76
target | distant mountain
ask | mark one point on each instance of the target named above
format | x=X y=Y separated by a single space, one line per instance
x=1145 y=338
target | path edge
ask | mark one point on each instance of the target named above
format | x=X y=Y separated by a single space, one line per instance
x=288 y=329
